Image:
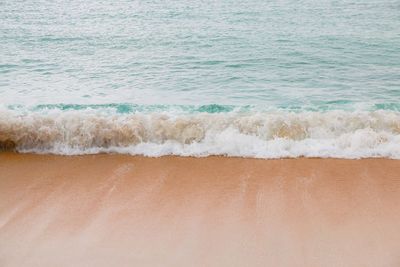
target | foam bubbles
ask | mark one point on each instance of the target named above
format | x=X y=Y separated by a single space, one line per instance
x=277 y=134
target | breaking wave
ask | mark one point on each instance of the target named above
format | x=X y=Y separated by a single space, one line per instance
x=272 y=134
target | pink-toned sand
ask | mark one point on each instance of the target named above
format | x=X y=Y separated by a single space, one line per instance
x=116 y=210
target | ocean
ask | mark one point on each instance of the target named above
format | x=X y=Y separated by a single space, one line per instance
x=264 y=79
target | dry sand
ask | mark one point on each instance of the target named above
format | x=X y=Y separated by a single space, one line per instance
x=116 y=210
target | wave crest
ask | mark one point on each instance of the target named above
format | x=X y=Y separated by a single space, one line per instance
x=266 y=135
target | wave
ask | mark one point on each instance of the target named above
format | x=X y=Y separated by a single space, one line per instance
x=273 y=134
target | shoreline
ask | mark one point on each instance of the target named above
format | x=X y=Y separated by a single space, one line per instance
x=113 y=209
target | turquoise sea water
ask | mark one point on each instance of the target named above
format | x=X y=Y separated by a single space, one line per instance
x=269 y=53
x=240 y=58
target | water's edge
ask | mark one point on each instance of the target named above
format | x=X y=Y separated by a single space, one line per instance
x=228 y=131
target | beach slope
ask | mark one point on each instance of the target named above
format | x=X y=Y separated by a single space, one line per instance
x=119 y=210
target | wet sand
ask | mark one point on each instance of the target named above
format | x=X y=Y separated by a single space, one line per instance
x=116 y=210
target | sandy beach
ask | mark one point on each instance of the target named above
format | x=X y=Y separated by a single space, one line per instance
x=119 y=210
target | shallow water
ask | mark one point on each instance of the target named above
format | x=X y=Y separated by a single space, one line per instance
x=270 y=53
x=174 y=58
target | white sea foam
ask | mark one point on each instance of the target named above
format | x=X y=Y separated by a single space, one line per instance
x=338 y=134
